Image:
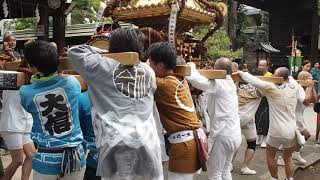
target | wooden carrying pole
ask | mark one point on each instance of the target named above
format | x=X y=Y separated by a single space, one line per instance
x=14 y=80
x=185 y=70
x=180 y=69
x=11 y=79
x=83 y=84
x=11 y=66
x=275 y=80
x=213 y=74
x=125 y=58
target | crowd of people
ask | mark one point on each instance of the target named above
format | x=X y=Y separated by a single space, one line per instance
x=132 y=119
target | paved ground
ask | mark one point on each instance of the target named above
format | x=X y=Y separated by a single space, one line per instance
x=310 y=152
x=313 y=172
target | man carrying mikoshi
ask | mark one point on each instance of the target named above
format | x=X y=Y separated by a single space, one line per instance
x=177 y=112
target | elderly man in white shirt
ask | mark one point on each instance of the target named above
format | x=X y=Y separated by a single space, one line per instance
x=249 y=100
x=225 y=133
x=310 y=97
x=282 y=99
x=15 y=127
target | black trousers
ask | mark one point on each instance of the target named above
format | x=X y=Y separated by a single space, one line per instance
x=262 y=117
x=90 y=174
x=1 y=168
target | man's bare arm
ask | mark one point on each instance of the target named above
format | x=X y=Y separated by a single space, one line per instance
x=255 y=81
x=200 y=82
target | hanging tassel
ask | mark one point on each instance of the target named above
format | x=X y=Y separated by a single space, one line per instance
x=5 y=9
x=37 y=14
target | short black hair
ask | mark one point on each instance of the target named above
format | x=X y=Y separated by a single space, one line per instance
x=127 y=40
x=163 y=52
x=43 y=56
x=256 y=72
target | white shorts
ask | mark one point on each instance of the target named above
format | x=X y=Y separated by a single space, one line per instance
x=73 y=176
x=16 y=140
x=301 y=125
x=277 y=142
x=249 y=131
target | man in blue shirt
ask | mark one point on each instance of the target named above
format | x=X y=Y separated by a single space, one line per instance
x=53 y=102
x=88 y=137
x=315 y=72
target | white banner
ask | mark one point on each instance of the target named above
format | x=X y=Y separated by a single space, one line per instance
x=102 y=7
x=172 y=23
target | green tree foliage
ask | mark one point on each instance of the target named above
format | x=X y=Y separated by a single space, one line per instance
x=219 y=44
x=85 y=9
x=24 y=23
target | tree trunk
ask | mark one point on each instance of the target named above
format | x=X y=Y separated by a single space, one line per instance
x=226 y=20
x=315 y=33
x=232 y=23
x=59 y=28
x=44 y=21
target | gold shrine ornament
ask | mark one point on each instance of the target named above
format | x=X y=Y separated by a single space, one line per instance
x=223 y=7
x=100 y=41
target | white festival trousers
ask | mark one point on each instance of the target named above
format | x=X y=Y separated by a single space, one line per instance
x=220 y=158
x=180 y=176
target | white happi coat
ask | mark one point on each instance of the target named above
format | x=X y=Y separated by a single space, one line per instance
x=282 y=103
x=122 y=110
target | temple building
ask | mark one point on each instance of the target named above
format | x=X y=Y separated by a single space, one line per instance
x=289 y=18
